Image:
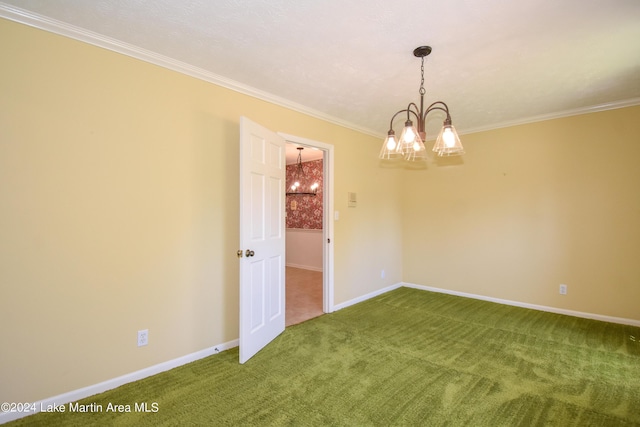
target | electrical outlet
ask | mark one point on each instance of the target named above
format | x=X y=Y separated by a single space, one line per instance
x=143 y=337
x=563 y=289
x=382 y=274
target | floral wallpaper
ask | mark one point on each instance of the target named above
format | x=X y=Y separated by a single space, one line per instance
x=305 y=211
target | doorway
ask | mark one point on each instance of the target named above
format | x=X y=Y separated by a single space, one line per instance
x=309 y=280
x=304 y=223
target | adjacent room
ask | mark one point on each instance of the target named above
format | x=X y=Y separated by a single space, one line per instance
x=305 y=217
x=462 y=247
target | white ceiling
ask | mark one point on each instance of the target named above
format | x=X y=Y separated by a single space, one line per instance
x=494 y=62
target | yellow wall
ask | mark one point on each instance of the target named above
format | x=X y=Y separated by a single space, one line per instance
x=531 y=207
x=119 y=212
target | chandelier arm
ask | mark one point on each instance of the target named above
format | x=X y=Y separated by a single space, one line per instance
x=430 y=109
x=441 y=103
x=394 y=117
x=407 y=110
x=416 y=113
x=433 y=107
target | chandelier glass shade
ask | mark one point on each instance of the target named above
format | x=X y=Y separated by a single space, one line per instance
x=410 y=145
x=299 y=185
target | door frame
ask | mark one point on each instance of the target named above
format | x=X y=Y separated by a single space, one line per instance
x=328 y=218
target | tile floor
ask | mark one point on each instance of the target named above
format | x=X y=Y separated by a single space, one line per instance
x=303 y=295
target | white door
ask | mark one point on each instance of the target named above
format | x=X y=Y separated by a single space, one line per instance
x=262 y=237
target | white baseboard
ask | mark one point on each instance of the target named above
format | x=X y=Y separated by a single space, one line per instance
x=593 y=316
x=305 y=267
x=72 y=396
x=366 y=297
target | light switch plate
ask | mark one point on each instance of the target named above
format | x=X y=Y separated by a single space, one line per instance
x=352 y=200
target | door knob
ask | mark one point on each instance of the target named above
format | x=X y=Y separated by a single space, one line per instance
x=249 y=253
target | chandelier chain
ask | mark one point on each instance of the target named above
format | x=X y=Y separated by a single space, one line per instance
x=422 y=91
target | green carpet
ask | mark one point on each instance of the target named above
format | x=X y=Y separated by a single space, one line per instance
x=407 y=357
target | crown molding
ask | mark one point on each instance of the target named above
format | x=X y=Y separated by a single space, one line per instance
x=557 y=115
x=35 y=20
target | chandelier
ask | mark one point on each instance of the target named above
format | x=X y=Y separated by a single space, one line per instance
x=410 y=146
x=300 y=186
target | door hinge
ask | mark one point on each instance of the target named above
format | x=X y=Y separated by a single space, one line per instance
x=239 y=253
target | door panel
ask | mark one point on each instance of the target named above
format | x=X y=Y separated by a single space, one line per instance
x=262 y=225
